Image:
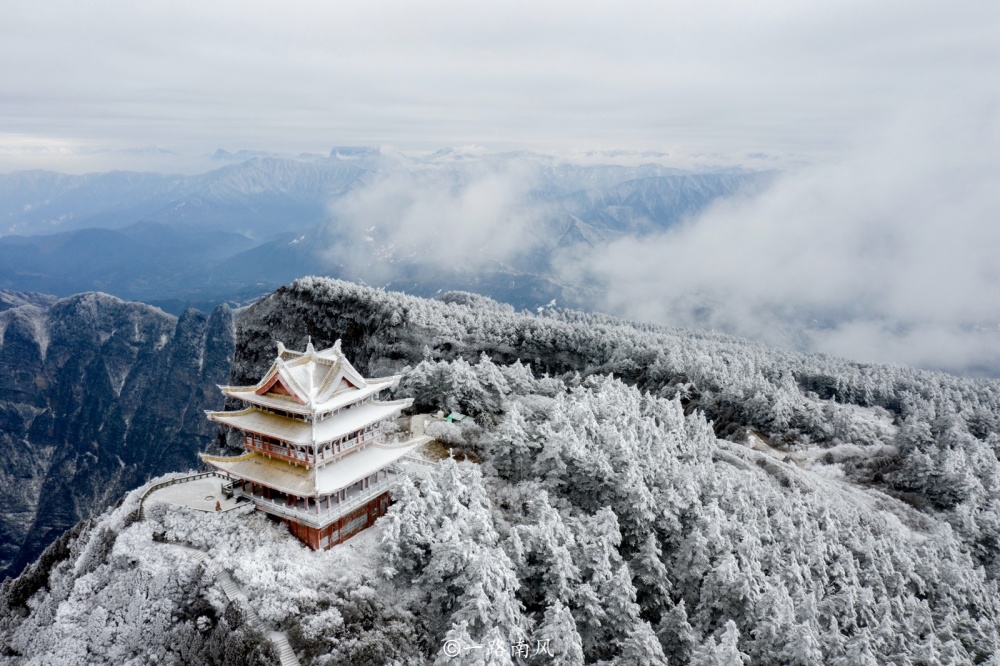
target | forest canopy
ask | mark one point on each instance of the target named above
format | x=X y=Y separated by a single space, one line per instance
x=643 y=495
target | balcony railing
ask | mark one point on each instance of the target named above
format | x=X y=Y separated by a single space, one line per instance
x=316 y=516
x=307 y=458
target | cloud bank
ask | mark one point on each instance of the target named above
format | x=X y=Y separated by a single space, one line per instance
x=420 y=217
x=889 y=254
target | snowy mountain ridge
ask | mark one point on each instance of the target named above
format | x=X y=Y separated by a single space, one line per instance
x=33 y=202
x=645 y=494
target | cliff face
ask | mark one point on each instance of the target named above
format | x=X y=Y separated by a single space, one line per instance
x=100 y=395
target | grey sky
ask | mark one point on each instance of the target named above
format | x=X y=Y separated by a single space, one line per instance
x=879 y=242
x=711 y=80
x=889 y=253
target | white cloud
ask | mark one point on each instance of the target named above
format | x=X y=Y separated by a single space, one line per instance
x=888 y=254
x=435 y=214
x=733 y=78
x=885 y=246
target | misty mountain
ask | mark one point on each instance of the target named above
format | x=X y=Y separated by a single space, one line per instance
x=650 y=204
x=259 y=197
x=144 y=261
x=100 y=395
x=44 y=202
x=244 y=229
x=645 y=495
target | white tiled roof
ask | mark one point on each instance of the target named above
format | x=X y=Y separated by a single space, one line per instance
x=288 y=404
x=295 y=480
x=318 y=380
x=303 y=433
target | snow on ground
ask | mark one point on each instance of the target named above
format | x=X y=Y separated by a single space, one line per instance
x=280 y=575
x=202 y=494
x=815 y=476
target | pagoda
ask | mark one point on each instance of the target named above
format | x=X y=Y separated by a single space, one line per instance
x=315 y=457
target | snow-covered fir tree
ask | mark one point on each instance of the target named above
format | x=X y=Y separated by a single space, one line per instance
x=644 y=496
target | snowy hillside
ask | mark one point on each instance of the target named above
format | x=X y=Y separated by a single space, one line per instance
x=712 y=502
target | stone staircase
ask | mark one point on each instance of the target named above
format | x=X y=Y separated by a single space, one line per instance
x=235 y=594
x=286 y=655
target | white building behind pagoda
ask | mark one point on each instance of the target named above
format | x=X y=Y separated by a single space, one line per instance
x=315 y=457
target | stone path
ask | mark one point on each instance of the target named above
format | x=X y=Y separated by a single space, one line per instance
x=235 y=593
x=285 y=652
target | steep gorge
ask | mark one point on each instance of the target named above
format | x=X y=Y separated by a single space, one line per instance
x=99 y=396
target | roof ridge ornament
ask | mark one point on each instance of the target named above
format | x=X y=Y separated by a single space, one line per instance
x=309 y=345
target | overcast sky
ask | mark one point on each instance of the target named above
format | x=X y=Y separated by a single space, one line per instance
x=890 y=253
x=880 y=241
x=736 y=82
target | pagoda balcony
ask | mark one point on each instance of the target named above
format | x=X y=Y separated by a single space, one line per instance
x=314 y=514
x=279 y=450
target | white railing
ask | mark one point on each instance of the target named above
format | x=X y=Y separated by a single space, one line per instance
x=140 y=513
x=309 y=457
x=325 y=454
x=319 y=517
x=414 y=460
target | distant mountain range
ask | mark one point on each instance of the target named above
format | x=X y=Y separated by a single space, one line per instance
x=240 y=231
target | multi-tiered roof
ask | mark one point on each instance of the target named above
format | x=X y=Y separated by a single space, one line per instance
x=311 y=429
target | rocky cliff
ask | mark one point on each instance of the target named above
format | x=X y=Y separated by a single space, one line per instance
x=100 y=395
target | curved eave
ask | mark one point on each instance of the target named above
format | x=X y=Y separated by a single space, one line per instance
x=345 y=398
x=294 y=480
x=275 y=474
x=301 y=433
